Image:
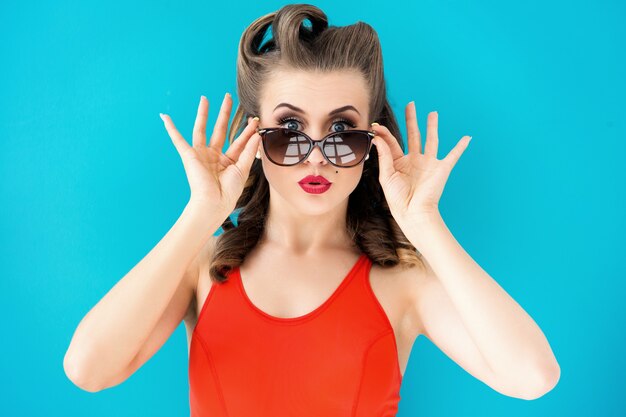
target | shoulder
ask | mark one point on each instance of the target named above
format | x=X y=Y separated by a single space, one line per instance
x=407 y=277
x=198 y=265
x=206 y=253
x=408 y=284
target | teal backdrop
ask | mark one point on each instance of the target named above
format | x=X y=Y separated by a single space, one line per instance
x=90 y=180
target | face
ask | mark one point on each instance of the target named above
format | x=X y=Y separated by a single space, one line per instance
x=316 y=95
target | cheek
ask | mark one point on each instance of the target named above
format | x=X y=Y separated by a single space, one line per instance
x=281 y=179
x=273 y=173
x=350 y=177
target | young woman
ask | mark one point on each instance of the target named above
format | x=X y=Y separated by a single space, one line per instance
x=339 y=259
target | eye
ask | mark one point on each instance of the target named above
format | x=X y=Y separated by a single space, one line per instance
x=296 y=123
x=293 y=121
x=343 y=121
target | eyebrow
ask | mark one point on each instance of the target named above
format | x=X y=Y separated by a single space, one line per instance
x=299 y=110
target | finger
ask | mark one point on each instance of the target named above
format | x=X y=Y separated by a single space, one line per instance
x=199 y=127
x=244 y=162
x=432 y=138
x=235 y=148
x=221 y=126
x=413 y=133
x=390 y=140
x=179 y=142
x=385 y=161
x=453 y=156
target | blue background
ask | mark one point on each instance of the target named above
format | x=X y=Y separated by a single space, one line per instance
x=90 y=180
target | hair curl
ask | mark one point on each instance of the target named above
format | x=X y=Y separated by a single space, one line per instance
x=301 y=39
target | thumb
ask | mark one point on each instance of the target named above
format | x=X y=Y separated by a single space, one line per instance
x=244 y=163
x=385 y=163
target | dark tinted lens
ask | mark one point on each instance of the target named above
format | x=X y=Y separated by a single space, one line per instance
x=285 y=147
x=288 y=147
x=346 y=148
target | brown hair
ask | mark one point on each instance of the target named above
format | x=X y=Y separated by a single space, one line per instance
x=316 y=46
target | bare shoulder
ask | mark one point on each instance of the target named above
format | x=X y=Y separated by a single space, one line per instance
x=201 y=262
x=405 y=284
x=407 y=279
x=195 y=273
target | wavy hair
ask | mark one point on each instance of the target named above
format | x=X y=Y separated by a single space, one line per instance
x=301 y=39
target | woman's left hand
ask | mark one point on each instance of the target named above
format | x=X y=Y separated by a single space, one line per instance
x=413 y=183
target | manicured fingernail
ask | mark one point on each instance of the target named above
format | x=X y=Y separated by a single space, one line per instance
x=256 y=118
x=161 y=116
x=375 y=124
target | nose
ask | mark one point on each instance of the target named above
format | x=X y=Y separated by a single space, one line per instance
x=316 y=157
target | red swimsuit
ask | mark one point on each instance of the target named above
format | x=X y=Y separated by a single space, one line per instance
x=340 y=360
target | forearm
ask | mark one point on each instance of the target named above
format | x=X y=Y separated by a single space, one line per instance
x=113 y=331
x=509 y=339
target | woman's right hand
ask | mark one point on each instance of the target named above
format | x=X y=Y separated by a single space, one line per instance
x=216 y=179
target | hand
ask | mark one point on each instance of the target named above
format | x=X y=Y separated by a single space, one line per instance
x=216 y=179
x=413 y=183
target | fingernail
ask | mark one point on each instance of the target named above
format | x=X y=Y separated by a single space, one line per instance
x=161 y=116
x=226 y=95
x=375 y=124
x=256 y=118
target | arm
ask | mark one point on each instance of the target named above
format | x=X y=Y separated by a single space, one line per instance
x=502 y=342
x=114 y=331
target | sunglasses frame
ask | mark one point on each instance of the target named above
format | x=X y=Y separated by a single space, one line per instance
x=319 y=143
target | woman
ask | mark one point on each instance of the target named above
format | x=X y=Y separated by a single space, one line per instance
x=340 y=258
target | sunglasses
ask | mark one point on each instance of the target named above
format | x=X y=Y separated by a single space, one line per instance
x=287 y=147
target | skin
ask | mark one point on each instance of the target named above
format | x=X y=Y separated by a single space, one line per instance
x=510 y=354
x=299 y=222
x=303 y=228
x=452 y=301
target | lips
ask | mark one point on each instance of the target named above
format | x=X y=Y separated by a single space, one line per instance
x=314 y=179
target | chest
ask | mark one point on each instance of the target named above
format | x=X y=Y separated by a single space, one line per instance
x=274 y=288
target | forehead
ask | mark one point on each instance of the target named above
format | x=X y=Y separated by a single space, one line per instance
x=315 y=91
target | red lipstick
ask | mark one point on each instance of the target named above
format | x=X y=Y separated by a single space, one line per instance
x=314 y=179
x=314 y=184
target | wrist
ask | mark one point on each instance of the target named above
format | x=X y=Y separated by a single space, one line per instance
x=205 y=213
x=420 y=230
x=424 y=219
x=203 y=204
